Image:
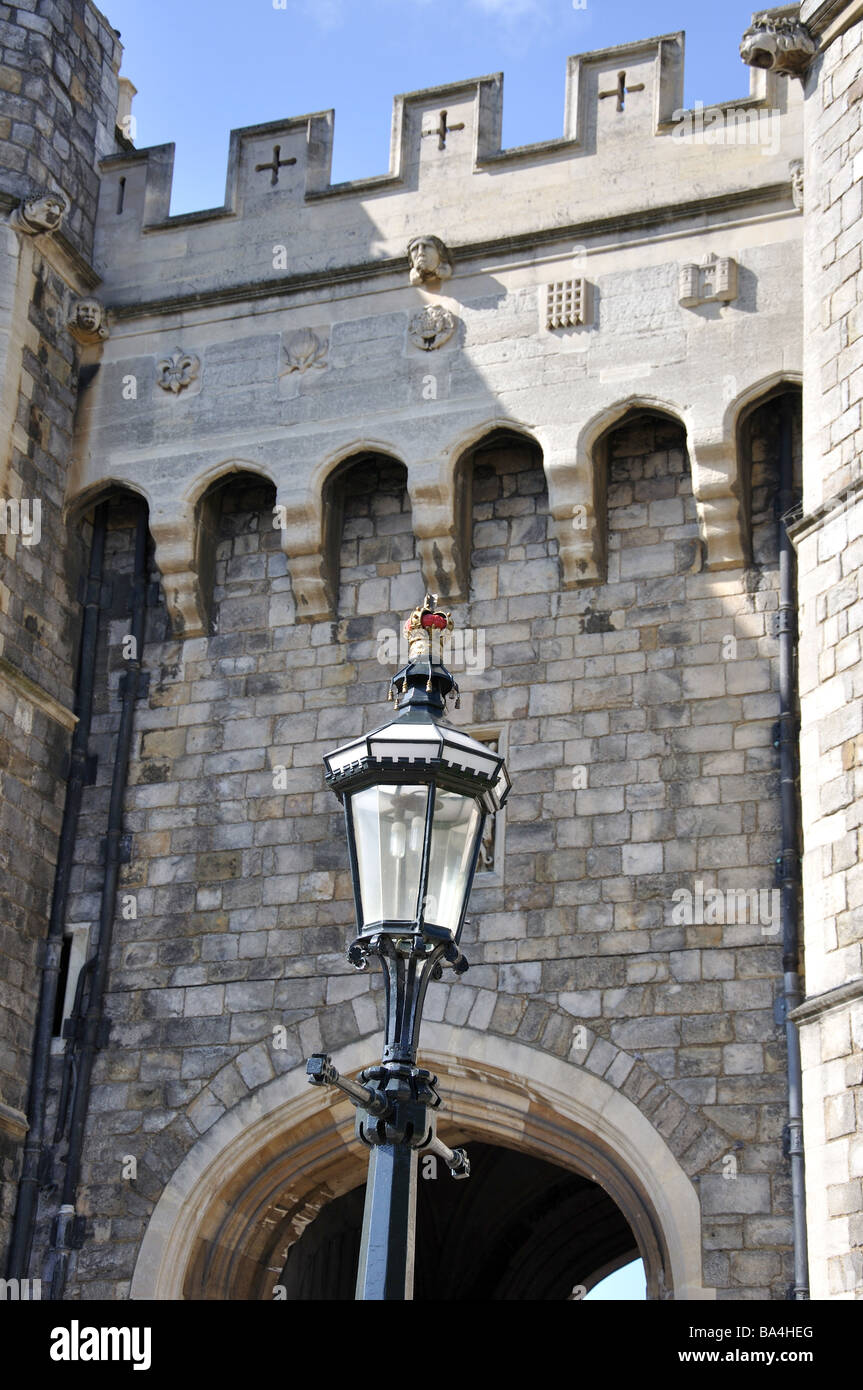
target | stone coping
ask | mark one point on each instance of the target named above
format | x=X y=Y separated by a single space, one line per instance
x=820 y=1004
x=28 y=689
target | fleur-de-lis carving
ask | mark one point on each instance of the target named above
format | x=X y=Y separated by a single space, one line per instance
x=179 y=370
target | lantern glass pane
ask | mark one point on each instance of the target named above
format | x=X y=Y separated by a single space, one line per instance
x=389 y=829
x=456 y=824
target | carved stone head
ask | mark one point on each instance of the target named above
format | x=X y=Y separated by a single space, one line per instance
x=779 y=43
x=429 y=258
x=87 y=322
x=43 y=212
x=795 y=168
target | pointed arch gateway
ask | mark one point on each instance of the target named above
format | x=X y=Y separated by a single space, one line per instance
x=257 y=1178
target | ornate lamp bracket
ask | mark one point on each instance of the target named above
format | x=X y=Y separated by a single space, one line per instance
x=397 y=1108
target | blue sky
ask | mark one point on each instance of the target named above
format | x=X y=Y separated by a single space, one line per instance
x=205 y=66
x=625 y=1285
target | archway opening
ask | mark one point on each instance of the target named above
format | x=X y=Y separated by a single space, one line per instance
x=521 y=1228
x=759 y=449
x=369 y=544
x=238 y=558
x=650 y=524
x=502 y=516
x=261 y=1175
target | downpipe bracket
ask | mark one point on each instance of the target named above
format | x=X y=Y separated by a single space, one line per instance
x=68 y=1230
x=787 y=867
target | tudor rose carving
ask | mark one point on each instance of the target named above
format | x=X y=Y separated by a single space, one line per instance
x=431 y=327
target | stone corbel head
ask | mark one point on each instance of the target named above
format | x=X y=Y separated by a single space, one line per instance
x=430 y=260
x=87 y=322
x=795 y=169
x=780 y=44
x=41 y=212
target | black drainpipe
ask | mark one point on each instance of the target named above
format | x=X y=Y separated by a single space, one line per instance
x=32 y=1177
x=89 y=1032
x=788 y=864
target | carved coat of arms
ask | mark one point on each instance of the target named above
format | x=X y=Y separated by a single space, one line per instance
x=431 y=327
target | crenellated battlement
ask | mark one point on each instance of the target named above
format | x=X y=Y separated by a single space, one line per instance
x=628 y=149
x=549 y=289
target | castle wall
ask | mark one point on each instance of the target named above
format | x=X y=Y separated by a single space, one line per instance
x=58 y=98
x=248 y=403
x=830 y=549
x=610 y=558
x=642 y=764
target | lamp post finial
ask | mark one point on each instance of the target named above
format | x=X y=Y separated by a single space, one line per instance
x=425 y=679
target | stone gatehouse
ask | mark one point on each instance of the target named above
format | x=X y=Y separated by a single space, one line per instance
x=561 y=398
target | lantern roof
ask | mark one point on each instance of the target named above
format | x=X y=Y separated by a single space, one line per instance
x=416 y=747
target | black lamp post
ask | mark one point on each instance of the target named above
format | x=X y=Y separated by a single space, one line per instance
x=416 y=793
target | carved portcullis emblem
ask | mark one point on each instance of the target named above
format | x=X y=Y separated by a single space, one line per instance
x=431 y=327
x=304 y=349
x=566 y=303
x=178 y=371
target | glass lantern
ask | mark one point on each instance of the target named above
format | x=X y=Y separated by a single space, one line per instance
x=416 y=793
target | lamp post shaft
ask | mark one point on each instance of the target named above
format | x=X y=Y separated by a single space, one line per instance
x=386 y=1267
